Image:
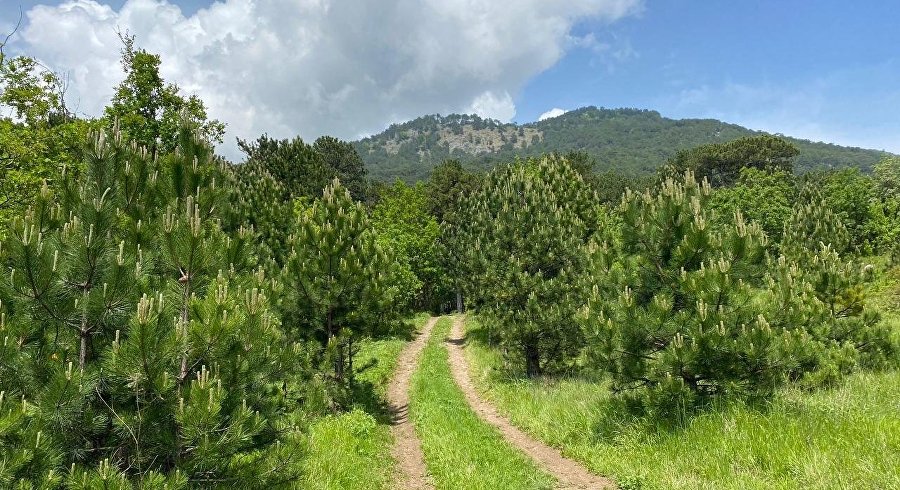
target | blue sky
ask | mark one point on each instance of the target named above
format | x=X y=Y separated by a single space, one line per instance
x=822 y=70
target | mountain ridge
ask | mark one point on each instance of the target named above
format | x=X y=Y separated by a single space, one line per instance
x=634 y=141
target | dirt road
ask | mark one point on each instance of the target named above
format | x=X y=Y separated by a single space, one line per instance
x=569 y=474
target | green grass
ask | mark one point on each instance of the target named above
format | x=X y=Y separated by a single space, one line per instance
x=845 y=437
x=461 y=451
x=352 y=450
x=348 y=451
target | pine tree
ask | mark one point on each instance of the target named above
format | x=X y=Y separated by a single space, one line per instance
x=336 y=277
x=447 y=189
x=344 y=163
x=525 y=229
x=721 y=163
x=817 y=240
x=264 y=206
x=683 y=312
x=137 y=339
x=811 y=225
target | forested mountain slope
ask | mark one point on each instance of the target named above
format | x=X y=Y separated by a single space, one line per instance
x=628 y=140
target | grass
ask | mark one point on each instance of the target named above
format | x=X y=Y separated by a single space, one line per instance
x=460 y=450
x=352 y=450
x=845 y=437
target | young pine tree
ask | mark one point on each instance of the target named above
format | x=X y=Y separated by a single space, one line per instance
x=525 y=230
x=264 y=205
x=811 y=225
x=336 y=278
x=815 y=238
x=683 y=312
x=137 y=343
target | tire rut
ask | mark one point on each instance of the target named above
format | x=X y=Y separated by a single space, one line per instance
x=411 y=471
x=568 y=473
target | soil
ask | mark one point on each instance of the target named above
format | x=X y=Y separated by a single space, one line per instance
x=411 y=472
x=568 y=473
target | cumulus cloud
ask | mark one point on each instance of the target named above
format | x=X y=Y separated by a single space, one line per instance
x=492 y=106
x=314 y=67
x=555 y=112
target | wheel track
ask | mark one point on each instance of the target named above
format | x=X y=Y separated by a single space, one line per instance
x=411 y=471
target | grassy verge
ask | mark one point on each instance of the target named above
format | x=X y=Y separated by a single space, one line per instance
x=461 y=451
x=352 y=450
x=846 y=437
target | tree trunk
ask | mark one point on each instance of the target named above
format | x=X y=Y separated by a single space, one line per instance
x=350 y=359
x=186 y=298
x=339 y=362
x=339 y=346
x=82 y=353
x=532 y=360
x=84 y=331
x=459 y=300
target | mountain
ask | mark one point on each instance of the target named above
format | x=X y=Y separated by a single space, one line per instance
x=628 y=140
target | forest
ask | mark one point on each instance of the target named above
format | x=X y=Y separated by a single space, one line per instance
x=173 y=320
x=628 y=141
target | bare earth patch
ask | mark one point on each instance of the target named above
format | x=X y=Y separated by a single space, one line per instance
x=407 y=450
x=567 y=472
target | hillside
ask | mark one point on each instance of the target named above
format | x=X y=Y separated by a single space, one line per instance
x=630 y=140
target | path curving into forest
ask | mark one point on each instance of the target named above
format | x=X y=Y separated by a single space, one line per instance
x=569 y=474
x=411 y=471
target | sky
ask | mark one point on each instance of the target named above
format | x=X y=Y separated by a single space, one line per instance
x=825 y=71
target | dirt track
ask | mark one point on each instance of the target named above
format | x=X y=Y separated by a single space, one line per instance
x=407 y=450
x=567 y=472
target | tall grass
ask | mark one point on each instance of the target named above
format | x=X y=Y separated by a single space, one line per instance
x=844 y=437
x=461 y=451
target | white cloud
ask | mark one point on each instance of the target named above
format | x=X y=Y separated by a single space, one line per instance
x=555 y=112
x=313 y=67
x=492 y=106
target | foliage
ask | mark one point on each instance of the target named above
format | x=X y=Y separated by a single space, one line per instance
x=813 y=223
x=295 y=165
x=611 y=185
x=448 y=184
x=264 y=206
x=139 y=342
x=721 y=163
x=40 y=140
x=447 y=189
x=883 y=225
x=813 y=238
x=887 y=177
x=848 y=193
x=344 y=163
x=149 y=111
x=35 y=94
x=764 y=197
x=403 y=225
x=525 y=230
x=304 y=170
